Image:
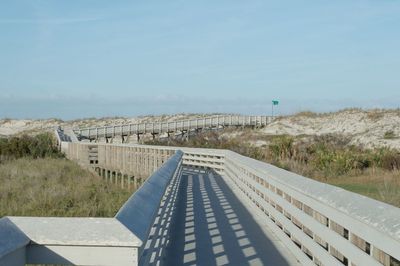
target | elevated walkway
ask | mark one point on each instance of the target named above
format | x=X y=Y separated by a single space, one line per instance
x=213 y=227
x=182 y=126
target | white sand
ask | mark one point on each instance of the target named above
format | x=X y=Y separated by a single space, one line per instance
x=366 y=128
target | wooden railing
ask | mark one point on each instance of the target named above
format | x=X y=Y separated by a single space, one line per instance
x=320 y=223
x=169 y=127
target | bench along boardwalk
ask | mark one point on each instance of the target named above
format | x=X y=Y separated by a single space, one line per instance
x=206 y=207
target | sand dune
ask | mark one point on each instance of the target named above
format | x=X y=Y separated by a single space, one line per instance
x=369 y=128
x=372 y=128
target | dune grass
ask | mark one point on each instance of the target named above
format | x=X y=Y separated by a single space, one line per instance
x=378 y=184
x=56 y=187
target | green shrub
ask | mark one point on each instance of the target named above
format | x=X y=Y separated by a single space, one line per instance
x=309 y=114
x=390 y=160
x=389 y=135
x=39 y=146
x=375 y=115
x=282 y=147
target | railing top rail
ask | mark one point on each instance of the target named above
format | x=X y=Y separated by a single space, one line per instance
x=57 y=133
x=205 y=151
x=74 y=231
x=164 y=122
x=377 y=214
x=12 y=238
x=140 y=210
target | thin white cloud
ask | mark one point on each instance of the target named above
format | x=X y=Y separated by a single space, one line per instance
x=48 y=21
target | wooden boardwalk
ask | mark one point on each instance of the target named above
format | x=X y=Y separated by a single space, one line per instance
x=213 y=227
x=171 y=127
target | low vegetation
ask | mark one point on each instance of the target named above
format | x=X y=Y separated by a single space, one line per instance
x=328 y=158
x=389 y=135
x=39 y=146
x=37 y=181
x=56 y=187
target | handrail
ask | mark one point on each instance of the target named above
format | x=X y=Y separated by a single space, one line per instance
x=164 y=126
x=139 y=211
x=57 y=132
x=12 y=243
x=145 y=210
x=332 y=222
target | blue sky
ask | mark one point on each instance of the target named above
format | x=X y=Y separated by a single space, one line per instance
x=85 y=58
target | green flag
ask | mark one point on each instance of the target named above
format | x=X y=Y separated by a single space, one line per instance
x=275 y=102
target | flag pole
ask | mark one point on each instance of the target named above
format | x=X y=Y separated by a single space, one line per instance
x=272 y=112
x=274 y=102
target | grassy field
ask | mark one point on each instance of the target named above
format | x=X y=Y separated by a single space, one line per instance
x=378 y=184
x=328 y=158
x=56 y=187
